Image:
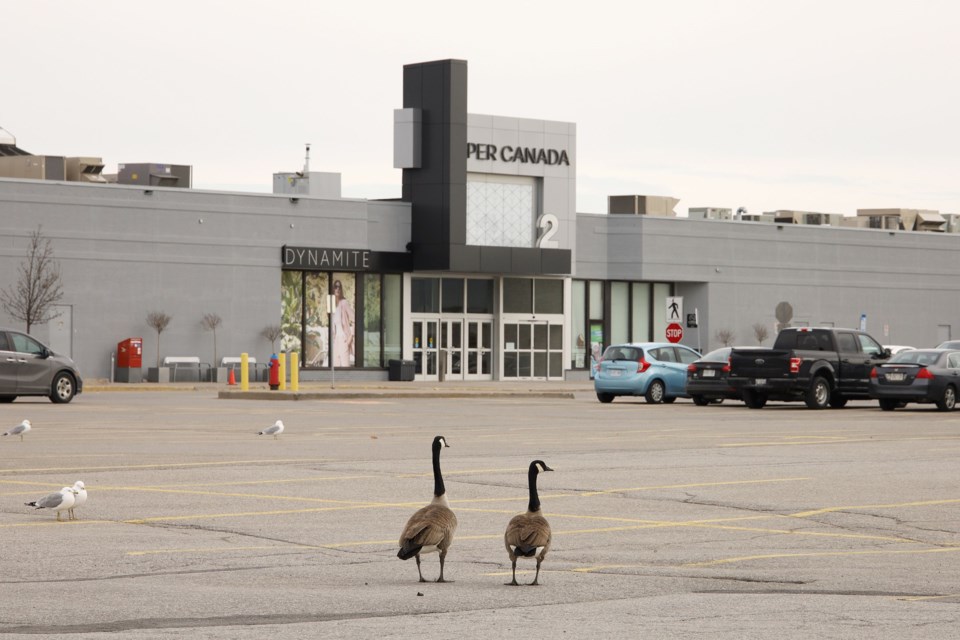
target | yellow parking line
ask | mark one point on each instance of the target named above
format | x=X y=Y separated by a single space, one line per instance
x=817 y=554
x=922 y=598
x=166 y=465
x=925 y=503
x=688 y=486
x=783 y=443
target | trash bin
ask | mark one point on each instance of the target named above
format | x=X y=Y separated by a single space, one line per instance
x=401 y=370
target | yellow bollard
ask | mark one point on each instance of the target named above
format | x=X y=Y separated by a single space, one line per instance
x=294 y=371
x=283 y=371
x=244 y=372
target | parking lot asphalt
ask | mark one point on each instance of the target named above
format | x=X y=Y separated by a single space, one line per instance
x=668 y=520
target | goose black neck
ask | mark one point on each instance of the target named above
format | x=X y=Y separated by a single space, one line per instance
x=534 y=505
x=438 y=489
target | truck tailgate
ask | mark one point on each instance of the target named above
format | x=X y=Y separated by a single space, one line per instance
x=760 y=363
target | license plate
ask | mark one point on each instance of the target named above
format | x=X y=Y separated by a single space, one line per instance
x=709 y=373
x=615 y=373
x=895 y=377
x=760 y=382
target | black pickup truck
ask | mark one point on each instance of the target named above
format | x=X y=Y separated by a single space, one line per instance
x=821 y=366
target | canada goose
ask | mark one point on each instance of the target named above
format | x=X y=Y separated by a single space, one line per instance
x=58 y=501
x=19 y=430
x=431 y=528
x=80 y=491
x=273 y=430
x=530 y=531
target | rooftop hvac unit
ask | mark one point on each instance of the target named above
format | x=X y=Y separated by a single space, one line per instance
x=85 y=170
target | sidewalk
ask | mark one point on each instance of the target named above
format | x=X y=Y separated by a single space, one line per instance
x=352 y=389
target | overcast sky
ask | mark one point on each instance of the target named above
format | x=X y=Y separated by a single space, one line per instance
x=822 y=105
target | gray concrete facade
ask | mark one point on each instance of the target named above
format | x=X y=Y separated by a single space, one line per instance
x=126 y=251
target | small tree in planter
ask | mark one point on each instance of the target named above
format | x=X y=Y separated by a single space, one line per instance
x=725 y=336
x=272 y=333
x=210 y=322
x=761 y=332
x=158 y=320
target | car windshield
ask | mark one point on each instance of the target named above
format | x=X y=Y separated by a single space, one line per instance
x=623 y=353
x=916 y=357
x=951 y=344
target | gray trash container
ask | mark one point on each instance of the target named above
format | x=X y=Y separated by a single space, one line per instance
x=401 y=370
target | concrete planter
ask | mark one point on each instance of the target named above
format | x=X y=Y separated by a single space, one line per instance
x=161 y=375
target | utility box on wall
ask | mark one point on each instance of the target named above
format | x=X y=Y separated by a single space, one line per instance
x=130 y=360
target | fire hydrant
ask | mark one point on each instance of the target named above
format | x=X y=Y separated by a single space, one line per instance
x=274 y=372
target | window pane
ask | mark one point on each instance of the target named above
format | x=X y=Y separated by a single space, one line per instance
x=556 y=337
x=510 y=364
x=523 y=333
x=343 y=320
x=548 y=296
x=317 y=334
x=619 y=312
x=425 y=295
x=596 y=300
x=487 y=335
x=540 y=364
x=578 y=323
x=480 y=296
x=291 y=310
x=540 y=336
x=661 y=291
x=518 y=295
x=640 y=330
x=371 y=320
x=392 y=317
x=556 y=364
x=452 y=296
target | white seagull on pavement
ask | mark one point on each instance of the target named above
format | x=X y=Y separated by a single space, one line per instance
x=80 y=497
x=273 y=430
x=58 y=501
x=19 y=430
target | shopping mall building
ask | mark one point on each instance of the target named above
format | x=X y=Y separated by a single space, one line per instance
x=482 y=270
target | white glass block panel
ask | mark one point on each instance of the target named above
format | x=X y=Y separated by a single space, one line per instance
x=500 y=214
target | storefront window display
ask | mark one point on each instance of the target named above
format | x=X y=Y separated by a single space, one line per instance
x=338 y=317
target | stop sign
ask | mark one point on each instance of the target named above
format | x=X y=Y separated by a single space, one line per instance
x=674 y=332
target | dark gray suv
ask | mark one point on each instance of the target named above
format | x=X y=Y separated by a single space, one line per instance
x=30 y=368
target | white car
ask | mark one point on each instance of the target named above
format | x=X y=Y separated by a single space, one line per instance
x=897 y=348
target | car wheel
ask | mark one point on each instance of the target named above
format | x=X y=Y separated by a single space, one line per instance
x=7 y=398
x=818 y=395
x=700 y=401
x=949 y=399
x=63 y=388
x=837 y=401
x=655 y=391
x=754 y=400
x=605 y=397
x=889 y=405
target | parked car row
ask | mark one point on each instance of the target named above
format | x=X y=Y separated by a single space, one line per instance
x=821 y=367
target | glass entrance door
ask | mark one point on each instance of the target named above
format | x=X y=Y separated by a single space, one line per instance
x=533 y=350
x=425 y=349
x=451 y=342
x=479 y=350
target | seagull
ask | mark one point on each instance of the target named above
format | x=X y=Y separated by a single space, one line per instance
x=59 y=501
x=81 y=496
x=19 y=430
x=274 y=430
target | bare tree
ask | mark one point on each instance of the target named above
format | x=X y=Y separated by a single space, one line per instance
x=272 y=333
x=210 y=322
x=725 y=337
x=159 y=321
x=32 y=297
x=761 y=332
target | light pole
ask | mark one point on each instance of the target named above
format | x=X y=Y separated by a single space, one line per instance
x=331 y=342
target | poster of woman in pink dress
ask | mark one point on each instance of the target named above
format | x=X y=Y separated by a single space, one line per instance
x=343 y=328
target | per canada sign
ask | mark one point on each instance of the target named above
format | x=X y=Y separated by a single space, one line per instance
x=525 y=155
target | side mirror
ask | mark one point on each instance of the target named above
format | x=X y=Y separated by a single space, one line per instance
x=45 y=353
x=886 y=353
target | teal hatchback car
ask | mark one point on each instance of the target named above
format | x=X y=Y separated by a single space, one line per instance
x=655 y=370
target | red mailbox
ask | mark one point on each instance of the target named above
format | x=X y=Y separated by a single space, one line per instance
x=130 y=353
